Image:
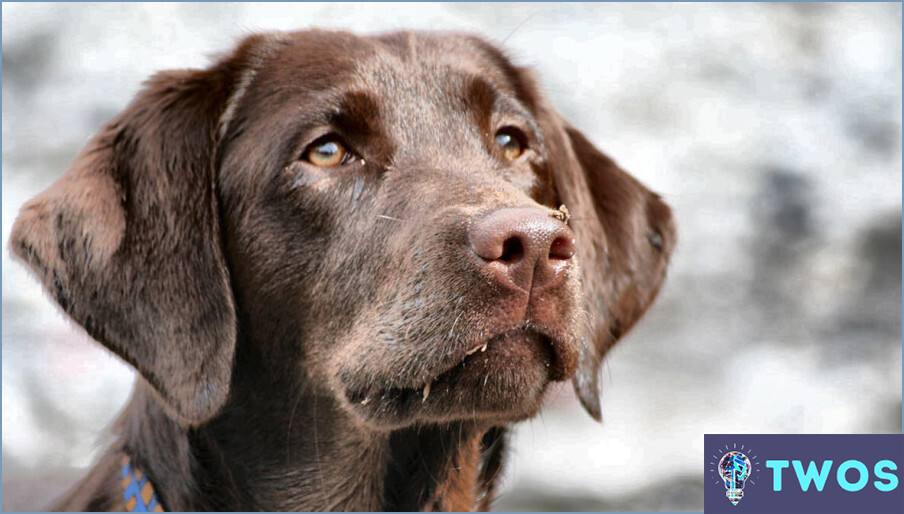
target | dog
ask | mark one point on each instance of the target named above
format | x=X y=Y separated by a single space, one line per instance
x=342 y=266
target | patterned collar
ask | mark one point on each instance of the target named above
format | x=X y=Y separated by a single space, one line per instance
x=138 y=492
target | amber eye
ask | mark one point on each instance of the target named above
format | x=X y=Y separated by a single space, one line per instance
x=327 y=151
x=511 y=142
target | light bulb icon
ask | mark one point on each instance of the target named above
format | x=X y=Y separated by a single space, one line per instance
x=734 y=468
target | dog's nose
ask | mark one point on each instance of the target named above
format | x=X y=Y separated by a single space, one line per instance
x=526 y=246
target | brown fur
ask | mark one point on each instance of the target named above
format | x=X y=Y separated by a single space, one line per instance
x=284 y=319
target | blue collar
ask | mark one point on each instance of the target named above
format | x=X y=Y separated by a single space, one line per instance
x=138 y=492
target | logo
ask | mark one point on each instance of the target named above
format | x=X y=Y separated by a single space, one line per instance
x=804 y=474
x=734 y=469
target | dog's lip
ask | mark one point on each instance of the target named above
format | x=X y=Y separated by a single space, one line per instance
x=557 y=348
x=559 y=368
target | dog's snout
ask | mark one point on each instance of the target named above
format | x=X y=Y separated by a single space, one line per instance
x=527 y=246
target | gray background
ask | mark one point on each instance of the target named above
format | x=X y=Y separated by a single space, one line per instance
x=773 y=130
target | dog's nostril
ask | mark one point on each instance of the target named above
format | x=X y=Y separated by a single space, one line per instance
x=512 y=250
x=523 y=247
x=562 y=248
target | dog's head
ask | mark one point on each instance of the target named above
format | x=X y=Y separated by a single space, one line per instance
x=375 y=216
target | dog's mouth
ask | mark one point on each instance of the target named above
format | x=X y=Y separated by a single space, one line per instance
x=501 y=377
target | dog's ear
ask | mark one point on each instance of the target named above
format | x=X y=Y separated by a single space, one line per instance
x=625 y=235
x=128 y=240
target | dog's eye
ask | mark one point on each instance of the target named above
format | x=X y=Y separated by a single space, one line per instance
x=327 y=151
x=512 y=142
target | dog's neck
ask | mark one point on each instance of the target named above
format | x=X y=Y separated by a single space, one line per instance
x=302 y=452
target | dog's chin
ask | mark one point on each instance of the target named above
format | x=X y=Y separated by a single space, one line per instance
x=503 y=380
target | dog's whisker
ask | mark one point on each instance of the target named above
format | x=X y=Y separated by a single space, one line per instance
x=317 y=459
x=452 y=330
x=518 y=27
x=298 y=398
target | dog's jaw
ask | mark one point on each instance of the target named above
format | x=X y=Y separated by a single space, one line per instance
x=500 y=380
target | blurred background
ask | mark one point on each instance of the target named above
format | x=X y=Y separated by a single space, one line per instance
x=773 y=130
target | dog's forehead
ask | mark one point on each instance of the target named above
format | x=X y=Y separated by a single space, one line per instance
x=417 y=89
x=439 y=54
x=397 y=64
x=409 y=95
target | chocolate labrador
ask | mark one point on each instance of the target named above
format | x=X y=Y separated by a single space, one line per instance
x=342 y=267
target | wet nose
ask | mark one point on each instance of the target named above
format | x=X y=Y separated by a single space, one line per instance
x=525 y=246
